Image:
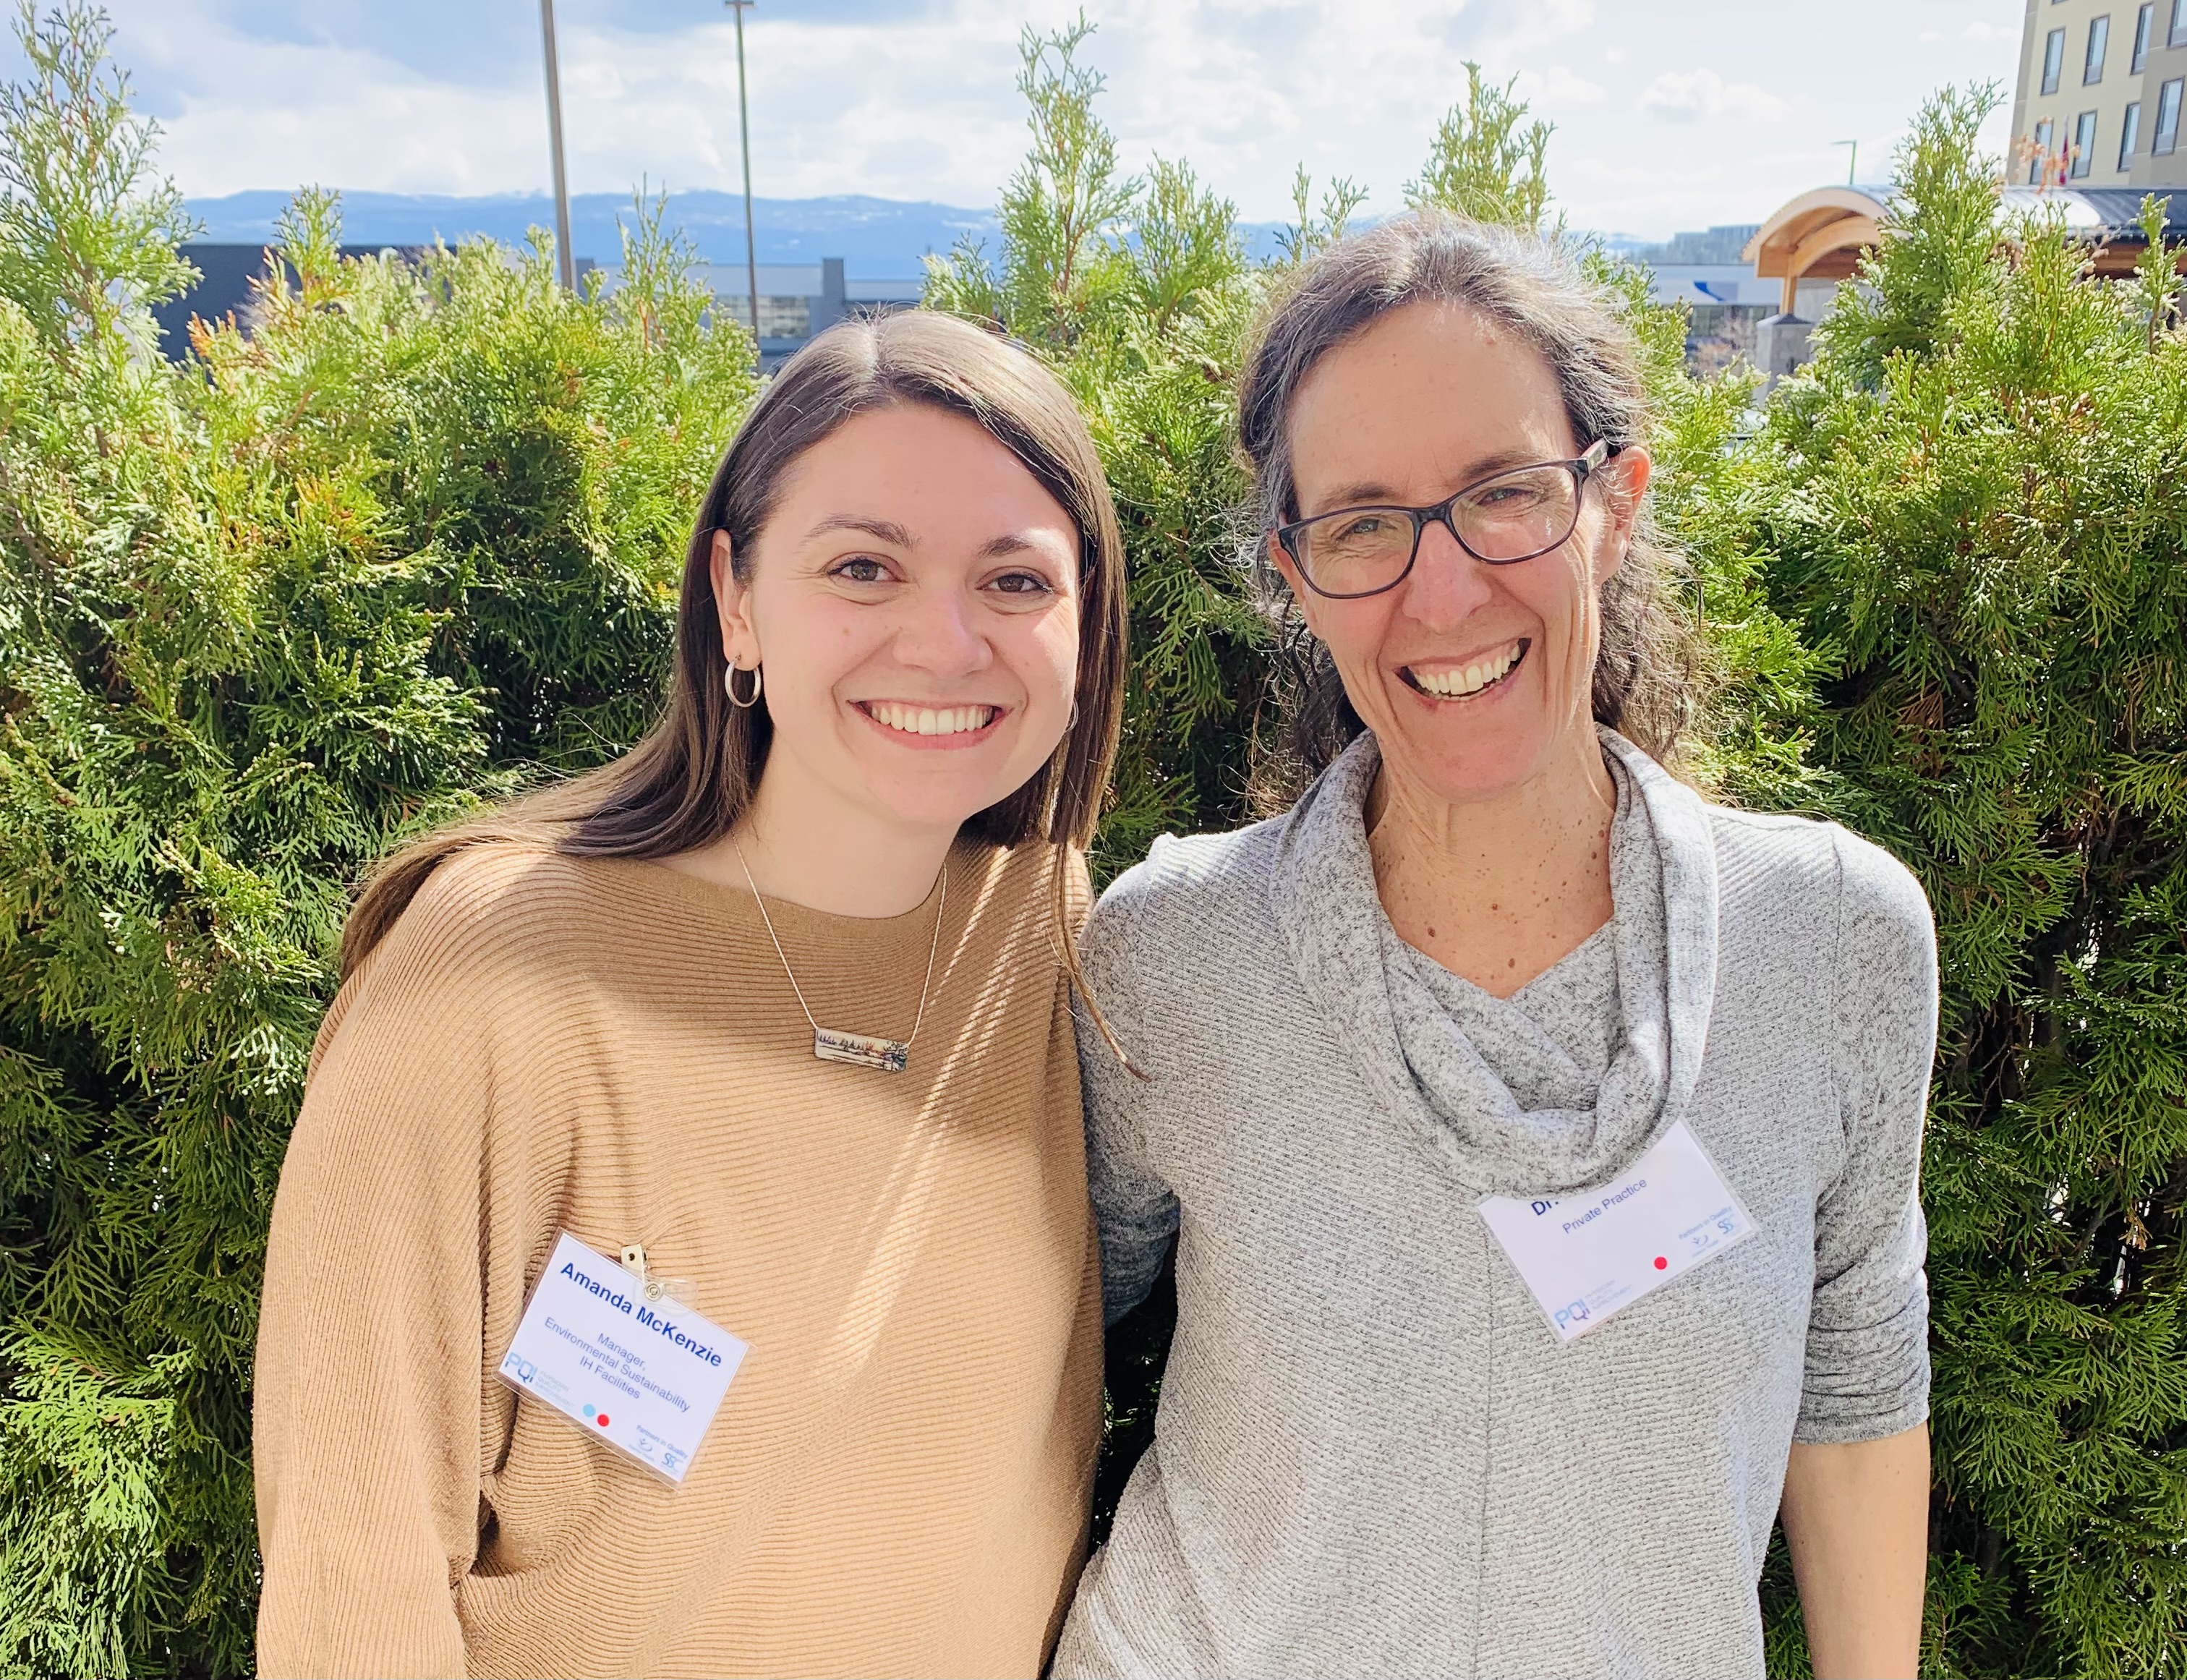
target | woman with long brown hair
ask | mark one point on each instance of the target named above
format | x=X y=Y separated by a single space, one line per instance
x=683 y=1263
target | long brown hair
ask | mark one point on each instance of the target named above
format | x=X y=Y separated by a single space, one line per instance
x=1645 y=671
x=690 y=779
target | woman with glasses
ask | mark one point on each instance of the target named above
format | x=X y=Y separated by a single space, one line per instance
x=1540 y=1142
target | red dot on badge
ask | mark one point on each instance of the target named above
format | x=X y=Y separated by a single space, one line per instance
x=601 y=1418
x=1661 y=1264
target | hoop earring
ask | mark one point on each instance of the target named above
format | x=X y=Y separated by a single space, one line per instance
x=729 y=683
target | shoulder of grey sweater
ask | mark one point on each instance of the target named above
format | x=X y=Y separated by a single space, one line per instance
x=1886 y=964
x=1875 y=908
x=1187 y=900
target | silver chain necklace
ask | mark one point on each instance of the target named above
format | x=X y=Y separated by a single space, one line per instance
x=860 y=1049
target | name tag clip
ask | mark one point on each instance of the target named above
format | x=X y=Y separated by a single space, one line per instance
x=653 y=1288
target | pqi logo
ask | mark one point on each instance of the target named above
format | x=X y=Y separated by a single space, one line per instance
x=1577 y=1313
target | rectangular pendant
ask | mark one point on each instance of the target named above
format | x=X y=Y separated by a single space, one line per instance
x=889 y=1055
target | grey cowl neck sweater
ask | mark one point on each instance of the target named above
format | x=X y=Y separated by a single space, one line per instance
x=1368 y=984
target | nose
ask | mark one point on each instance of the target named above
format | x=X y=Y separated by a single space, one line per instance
x=1447 y=585
x=941 y=634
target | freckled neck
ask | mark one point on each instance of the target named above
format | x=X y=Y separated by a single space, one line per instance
x=1499 y=890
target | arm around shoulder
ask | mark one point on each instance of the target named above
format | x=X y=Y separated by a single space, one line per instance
x=1137 y=1211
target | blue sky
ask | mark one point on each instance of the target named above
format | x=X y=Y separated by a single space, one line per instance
x=1670 y=114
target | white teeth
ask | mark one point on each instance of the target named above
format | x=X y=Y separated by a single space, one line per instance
x=1471 y=679
x=923 y=720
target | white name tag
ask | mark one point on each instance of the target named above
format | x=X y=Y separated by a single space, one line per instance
x=644 y=1376
x=1585 y=1256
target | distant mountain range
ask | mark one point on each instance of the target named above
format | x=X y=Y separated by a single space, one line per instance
x=877 y=239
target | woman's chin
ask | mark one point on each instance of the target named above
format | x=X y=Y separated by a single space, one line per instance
x=940 y=796
x=1463 y=767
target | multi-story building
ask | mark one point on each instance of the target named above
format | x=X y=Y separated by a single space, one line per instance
x=2098 y=102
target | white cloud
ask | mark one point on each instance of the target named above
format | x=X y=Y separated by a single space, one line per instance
x=1559 y=87
x=1681 y=96
x=912 y=99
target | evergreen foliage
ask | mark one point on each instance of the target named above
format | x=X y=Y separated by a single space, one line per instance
x=1481 y=165
x=1974 y=506
x=1138 y=293
x=415 y=539
x=261 y=616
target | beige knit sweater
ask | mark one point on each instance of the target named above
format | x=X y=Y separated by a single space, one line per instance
x=897 y=1482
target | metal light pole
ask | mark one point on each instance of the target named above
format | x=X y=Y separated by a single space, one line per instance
x=564 y=260
x=1852 y=159
x=744 y=126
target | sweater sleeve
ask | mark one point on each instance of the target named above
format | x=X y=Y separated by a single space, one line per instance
x=1137 y=1211
x=367 y=1408
x=1868 y=1330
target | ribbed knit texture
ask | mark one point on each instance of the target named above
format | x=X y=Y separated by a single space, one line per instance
x=1372 y=1454
x=898 y=1479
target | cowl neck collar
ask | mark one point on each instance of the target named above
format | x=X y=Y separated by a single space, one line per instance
x=1364 y=981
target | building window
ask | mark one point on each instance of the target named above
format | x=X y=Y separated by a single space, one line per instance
x=2129 y=136
x=2041 y=156
x=2099 y=41
x=2178 y=36
x=780 y=317
x=2084 y=145
x=2054 y=53
x=2145 y=26
x=2166 y=138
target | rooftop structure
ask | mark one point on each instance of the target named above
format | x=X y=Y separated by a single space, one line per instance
x=1818 y=236
x=796 y=300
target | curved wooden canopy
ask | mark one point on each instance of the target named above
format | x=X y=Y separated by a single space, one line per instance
x=1818 y=236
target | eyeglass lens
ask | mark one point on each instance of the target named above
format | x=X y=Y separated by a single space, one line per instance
x=1513 y=517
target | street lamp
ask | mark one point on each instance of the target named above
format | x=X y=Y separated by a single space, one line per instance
x=744 y=126
x=1852 y=159
x=564 y=260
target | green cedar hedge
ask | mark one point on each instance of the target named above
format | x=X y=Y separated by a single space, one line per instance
x=1977 y=513
x=415 y=541
x=261 y=617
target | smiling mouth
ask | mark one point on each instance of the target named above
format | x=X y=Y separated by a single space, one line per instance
x=928 y=720
x=1475 y=677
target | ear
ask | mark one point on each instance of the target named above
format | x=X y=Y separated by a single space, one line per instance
x=733 y=600
x=1624 y=480
x=1309 y=603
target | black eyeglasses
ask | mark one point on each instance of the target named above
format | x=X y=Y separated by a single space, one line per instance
x=1508 y=517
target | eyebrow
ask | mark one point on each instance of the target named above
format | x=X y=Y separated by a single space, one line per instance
x=887 y=531
x=1367 y=493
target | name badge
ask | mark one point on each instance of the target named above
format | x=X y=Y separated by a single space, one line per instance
x=1587 y=1257
x=645 y=1376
